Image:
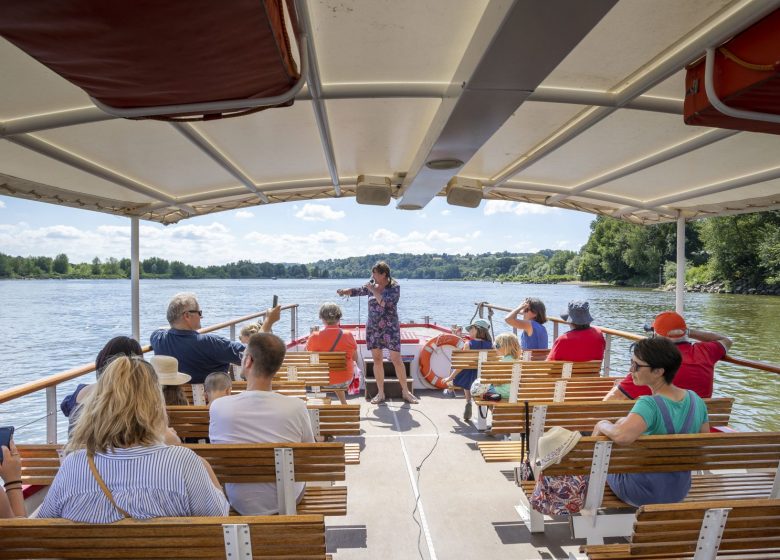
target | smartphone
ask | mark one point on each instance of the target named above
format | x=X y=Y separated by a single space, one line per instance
x=5 y=438
x=276 y=301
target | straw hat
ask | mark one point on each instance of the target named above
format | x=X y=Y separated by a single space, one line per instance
x=554 y=445
x=167 y=369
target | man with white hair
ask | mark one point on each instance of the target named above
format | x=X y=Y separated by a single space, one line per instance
x=697 y=371
x=198 y=354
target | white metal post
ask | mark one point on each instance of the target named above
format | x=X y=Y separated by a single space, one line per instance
x=514 y=383
x=238 y=543
x=135 y=275
x=51 y=414
x=680 y=286
x=314 y=416
x=607 y=356
x=285 y=478
x=711 y=533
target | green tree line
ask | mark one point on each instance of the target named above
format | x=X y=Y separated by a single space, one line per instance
x=743 y=248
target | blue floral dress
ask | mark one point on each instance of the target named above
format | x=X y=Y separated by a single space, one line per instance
x=383 y=329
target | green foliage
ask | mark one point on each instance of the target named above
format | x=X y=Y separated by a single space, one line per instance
x=697 y=274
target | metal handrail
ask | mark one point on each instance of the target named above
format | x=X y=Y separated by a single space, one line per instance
x=763 y=366
x=50 y=383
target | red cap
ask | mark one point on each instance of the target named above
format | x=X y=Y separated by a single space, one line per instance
x=670 y=325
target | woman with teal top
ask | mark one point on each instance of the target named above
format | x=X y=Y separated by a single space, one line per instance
x=533 y=334
x=669 y=410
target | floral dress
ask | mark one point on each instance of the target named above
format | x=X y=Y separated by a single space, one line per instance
x=383 y=330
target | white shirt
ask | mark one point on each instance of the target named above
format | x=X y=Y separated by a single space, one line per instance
x=259 y=417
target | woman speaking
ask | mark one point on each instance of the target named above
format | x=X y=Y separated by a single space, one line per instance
x=383 y=330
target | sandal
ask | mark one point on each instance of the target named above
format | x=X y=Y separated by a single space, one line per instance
x=410 y=398
x=378 y=400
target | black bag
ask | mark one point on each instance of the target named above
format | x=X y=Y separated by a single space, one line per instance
x=526 y=472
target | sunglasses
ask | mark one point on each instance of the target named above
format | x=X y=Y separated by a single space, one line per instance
x=198 y=311
x=636 y=365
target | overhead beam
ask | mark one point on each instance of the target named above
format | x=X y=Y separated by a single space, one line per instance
x=317 y=103
x=208 y=148
x=709 y=137
x=727 y=23
x=514 y=48
x=54 y=152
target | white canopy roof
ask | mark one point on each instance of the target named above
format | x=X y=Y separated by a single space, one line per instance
x=562 y=102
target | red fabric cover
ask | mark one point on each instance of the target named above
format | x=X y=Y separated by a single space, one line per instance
x=579 y=346
x=147 y=53
x=737 y=86
x=323 y=340
x=696 y=373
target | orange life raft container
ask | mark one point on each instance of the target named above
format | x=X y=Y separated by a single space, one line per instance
x=427 y=352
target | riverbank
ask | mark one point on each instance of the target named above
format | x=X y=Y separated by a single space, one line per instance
x=738 y=287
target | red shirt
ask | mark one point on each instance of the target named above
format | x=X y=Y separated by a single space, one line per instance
x=322 y=341
x=579 y=346
x=696 y=373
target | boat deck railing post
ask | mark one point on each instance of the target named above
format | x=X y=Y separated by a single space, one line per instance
x=607 y=355
x=51 y=414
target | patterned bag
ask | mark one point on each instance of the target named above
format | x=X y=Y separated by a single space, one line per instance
x=560 y=495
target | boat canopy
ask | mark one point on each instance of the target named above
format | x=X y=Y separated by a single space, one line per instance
x=562 y=103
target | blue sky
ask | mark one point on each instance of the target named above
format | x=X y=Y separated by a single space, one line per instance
x=293 y=232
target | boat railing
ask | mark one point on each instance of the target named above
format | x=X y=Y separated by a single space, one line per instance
x=486 y=310
x=50 y=383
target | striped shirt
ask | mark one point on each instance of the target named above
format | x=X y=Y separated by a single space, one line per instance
x=153 y=481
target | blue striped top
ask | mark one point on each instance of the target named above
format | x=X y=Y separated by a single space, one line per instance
x=154 y=481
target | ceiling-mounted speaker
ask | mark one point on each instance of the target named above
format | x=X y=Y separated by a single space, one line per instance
x=373 y=190
x=464 y=192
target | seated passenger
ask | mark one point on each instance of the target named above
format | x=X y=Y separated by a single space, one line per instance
x=508 y=347
x=171 y=380
x=119 y=345
x=119 y=441
x=697 y=371
x=670 y=410
x=334 y=339
x=533 y=335
x=247 y=331
x=479 y=331
x=11 y=498
x=258 y=415
x=217 y=384
x=582 y=343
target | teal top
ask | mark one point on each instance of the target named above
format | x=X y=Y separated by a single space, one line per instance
x=648 y=410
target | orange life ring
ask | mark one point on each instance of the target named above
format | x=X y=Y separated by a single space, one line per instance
x=437 y=380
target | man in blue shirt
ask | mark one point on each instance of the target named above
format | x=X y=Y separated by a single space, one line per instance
x=198 y=354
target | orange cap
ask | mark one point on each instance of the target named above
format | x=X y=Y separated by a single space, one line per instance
x=670 y=324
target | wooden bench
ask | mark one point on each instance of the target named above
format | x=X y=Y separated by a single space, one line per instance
x=331 y=420
x=581 y=416
x=283 y=464
x=336 y=361
x=556 y=390
x=261 y=537
x=701 y=531
x=469 y=359
x=596 y=456
x=246 y=462
x=504 y=372
x=288 y=388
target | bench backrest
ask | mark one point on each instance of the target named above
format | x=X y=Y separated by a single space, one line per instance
x=468 y=359
x=501 y=372
x=334 y=420
x=683 y=452
x=586 y=389
x=270 y=537
x=246 y=462
x=283 y=387
x=337 y=361
x=255 y=462
x=583 y=415
x=673 y=529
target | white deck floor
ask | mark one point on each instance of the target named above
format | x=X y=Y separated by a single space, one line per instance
x=468 y=505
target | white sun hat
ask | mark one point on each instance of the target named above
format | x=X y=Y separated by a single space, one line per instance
x=167 y=369
x=554 y=445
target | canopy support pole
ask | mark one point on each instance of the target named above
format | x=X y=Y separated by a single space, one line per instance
x=135 y=275
x=680 y=286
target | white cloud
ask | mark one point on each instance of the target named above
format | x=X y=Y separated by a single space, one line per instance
x=2 y=204
x=519 y=208
x=244 y=215
x=446 y=212
x=318 y=213
x=298 y=248
x=385 y=236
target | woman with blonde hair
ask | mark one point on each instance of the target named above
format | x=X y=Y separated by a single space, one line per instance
x=118 y=465
x=508 y=347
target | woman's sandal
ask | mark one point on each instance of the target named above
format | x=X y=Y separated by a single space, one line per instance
x=410 y=398
x=378 y=400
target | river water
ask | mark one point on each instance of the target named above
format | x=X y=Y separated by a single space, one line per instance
x=48 y=326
